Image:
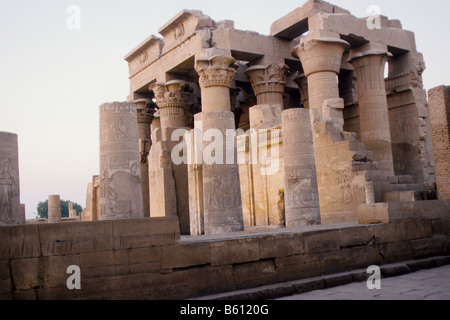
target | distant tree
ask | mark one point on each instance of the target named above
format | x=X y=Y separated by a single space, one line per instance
x=42 y=209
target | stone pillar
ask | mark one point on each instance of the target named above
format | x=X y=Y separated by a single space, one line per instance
x=439 y=99
x=144 y=117
x=269 y=83
x=171 y=98
x=301 y=193
x=120 y=181
x=9 y=180
x=54 y=209
x=221 y=185
x=369 y=62
x=302 y=83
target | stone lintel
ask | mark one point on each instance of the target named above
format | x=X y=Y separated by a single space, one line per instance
x=183 y=25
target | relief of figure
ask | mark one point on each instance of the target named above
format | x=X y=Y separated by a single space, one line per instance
x=6 y=189
x=281 y=208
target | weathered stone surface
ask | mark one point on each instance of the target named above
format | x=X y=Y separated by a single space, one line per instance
x=321 y=241
x=120 y=175
x=396 y=251
x=141 y=233
x=297 y=267
x=54 y=209
x=336 y=261
x=387 y=232
x=185 y=255
x=24 y=242
x=10 y=213
x=5 y=277
x=415 y=229
x=350 y=237
x=73 y=238
x=431 y=209
x=255 y=274
x=435 y=246
x=26 y=273
x=281 y=246
x=236 y=251
x=211 y=280
x=365 y=256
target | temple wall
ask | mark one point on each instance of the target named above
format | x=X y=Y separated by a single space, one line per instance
x=145 y=259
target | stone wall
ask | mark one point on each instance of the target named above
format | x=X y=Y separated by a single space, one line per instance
x=145 y=259
x=439 y=99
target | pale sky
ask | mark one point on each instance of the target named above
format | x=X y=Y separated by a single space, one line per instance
x=52 y=79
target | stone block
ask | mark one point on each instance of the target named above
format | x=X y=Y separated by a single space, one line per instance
x=437 y=245
x=99 y=264
x=447 y=208
x=431 y=209
x=385 y=233
x=142 y=233
x=321 y=241
x=365 y=256
x=406 y=196
x=373 y=213
x=402 y=210
x=5 y=235
x=185 y=255
x=24 y=242
x=441 y=226
x=415 y=229
x=357 y=236
x=251 y=275
x=5 y=277
x=336 y=261
x=405 y=180
x=235 y=251
x=75 y=238
x=54 y=270
x=396 y=251
x=297 y=267
x=391 y=196
x=281 y=246
x=26 y=273
x=210 y=280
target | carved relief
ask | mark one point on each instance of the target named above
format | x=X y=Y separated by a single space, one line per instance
x=7 y=183
x=216 y=71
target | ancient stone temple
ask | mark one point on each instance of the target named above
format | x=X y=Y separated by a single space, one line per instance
x=244 y=161
x=321 y=134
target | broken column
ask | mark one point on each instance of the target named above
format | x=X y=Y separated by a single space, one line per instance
x=54 y=209
x=10 y=213
x=221 y=185
x=120 y=181
x=171 y=98
x=369 y=62
x=145 y=117
x=301 y=195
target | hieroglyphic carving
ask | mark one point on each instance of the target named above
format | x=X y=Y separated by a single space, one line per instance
x=120 y=182
x=6 y=190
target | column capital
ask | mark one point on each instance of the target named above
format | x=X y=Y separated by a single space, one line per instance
x=217 y=71
x=302 y=81
x=172 y=94
x=144 y=112
x=320 y=54
x=266 y=79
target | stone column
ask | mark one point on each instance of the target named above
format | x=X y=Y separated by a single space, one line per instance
x=144 y=117
x=54 y=209
x=301 y=193
x=269 y=83
x=221 y=185
x=369 y=62
x=302 y=83
x=171 y=98
x=120 y=181
x=9 y=180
